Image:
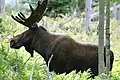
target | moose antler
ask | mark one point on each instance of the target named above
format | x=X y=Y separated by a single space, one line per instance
x=35 y=16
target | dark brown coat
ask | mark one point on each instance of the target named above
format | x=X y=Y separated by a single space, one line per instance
x=67 y=54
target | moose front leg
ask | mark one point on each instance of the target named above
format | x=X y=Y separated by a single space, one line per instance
x=61 y=54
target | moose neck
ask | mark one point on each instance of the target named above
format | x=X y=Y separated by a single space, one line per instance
x=41 y=42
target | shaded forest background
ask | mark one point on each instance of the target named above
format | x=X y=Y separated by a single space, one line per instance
x=55 y=6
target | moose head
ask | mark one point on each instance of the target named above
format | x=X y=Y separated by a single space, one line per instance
x=25 y=39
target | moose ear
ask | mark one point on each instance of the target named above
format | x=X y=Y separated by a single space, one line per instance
x=29 y=49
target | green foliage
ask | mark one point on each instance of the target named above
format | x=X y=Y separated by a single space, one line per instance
x=14 y=64
x=54 y=6
x=5 y=25
x=59 y=6
x=115 y=1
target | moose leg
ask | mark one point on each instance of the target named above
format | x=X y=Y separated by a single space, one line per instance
x=59 y=62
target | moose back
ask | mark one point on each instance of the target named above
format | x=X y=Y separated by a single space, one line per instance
x=67 y=54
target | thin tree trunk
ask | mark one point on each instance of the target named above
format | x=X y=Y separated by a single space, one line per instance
x=114 y=11
x=101 y=38
x=88 y=11
x=107 y=36
x=2 y=6
x=76 y=10
x=17 y=5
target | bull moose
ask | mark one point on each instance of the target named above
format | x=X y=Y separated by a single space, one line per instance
x=67 y=54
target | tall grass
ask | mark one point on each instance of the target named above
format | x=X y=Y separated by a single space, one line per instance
x=16 y=64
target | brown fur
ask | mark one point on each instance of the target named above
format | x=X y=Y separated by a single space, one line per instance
x=67 y=54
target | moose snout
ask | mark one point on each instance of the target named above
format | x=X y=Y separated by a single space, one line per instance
x=15 y=44
x=12 y=43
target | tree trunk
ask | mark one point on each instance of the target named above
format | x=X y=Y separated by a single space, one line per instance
x=88 y=11
x=2 y=6
x=76 y=10
x=114 y=11
x=17 y=6
x=107 y=36
x=101 y=38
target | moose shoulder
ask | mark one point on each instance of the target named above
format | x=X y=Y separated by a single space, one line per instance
x=67 y=54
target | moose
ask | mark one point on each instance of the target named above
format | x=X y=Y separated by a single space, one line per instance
x=68 y=54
